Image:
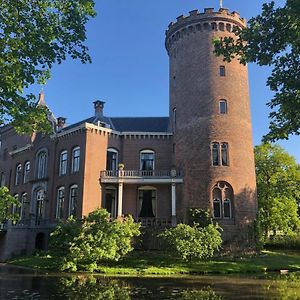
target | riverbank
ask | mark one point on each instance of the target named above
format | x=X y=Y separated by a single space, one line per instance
x=159 y=263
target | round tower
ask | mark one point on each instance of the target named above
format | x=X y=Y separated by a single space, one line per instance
x=210 y=120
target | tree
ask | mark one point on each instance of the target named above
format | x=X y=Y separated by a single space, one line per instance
x=278 y=181
x=96 y=239
x=6 y=203
x=273 y=39
x=34 y=35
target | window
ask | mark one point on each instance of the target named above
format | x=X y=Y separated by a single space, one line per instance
x=219 y=154
x=222 y=71
x=75 y=159
x=112 y=159
x=15 y=209
x=73 y=200
x=223 y=106
x=215 y=154
x=147 y=160
x=224 y=149
x=24 y=214
x=18 y=174
x=60 y=199
x=222 y=200
x=147 y=202
x=174 y=115
x=63 y=160
x=41 y=164
x=2 y=179
x=40 y=205
x=26 y=172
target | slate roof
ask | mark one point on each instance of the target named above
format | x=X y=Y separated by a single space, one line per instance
x=141 y=124
x=129 y=124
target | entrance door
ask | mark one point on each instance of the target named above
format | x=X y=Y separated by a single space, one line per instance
x=110 y=202
x=147 y=199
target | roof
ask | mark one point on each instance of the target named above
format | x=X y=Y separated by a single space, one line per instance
x=129 y=124
x=140 y=124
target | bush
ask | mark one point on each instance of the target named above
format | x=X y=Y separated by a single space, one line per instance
x=189 y=242
x=96 y=239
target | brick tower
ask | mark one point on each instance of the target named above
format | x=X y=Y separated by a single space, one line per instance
x=210 y=120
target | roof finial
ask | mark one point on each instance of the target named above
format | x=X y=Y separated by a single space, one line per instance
x=221 y=3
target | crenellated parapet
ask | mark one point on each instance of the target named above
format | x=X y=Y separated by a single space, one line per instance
x=209 y=20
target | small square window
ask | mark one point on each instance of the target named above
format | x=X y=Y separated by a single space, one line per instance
x=222 y=71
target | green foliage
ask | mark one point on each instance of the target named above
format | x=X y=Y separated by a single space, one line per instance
x=273 y=39
x=199 y=217
x=95 y=240
x=34 y=35
x=278 y=181
x=6 y=203
x=190 y=242
x=204 y=294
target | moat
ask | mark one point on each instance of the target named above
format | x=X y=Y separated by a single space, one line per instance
x=20 y=283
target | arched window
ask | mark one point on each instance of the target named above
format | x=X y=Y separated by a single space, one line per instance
x=73 y=200
x=26 y=172
x=2 y=179
x=147 y=158
x=223 y=106
x=60 y=199
x=215 y=154
x=40 y=205
x=224 y=150
x=112 y=159
x=222 y=197
x=41 y=164
x=75 y=159
x=63 y=161
x=24 y=214
x=147 y=202
x=217 y=202
x=18 y=174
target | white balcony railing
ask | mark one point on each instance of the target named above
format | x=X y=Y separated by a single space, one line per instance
x=139 y=174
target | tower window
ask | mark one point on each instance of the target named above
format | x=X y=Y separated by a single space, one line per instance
x=224 y=150
x=222 y=71
x=222 y=197
x=215 y=154
x=223 y=106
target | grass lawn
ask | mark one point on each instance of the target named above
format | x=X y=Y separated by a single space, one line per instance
x=159 y=263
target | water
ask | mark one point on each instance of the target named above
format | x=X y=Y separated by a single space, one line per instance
x=19 y=283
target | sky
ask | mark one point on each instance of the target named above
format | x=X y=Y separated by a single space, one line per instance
x=130 y=66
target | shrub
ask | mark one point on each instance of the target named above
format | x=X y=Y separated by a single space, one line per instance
x=97 y=239
x=189 y=242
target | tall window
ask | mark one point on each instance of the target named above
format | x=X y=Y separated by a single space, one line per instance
x=223 y=106
x=215 y=154
x=41 y=164
x=18 y=174
x=224 y=150
x=222 y=71
x=24 y=207
x=222 y=200
x=15 y=208
x=40 y=205
x=60 y=199
x=147 y=160
x=110 y=201
x=63 y=161
x=219 y=154
x=73 y=200
x=75 y=159
x=26 y=172
x=2 y=179
x=112 y=159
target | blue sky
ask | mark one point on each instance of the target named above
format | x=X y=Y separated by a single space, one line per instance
x=130 y=64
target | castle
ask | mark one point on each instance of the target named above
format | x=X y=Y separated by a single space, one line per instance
x=154 y=168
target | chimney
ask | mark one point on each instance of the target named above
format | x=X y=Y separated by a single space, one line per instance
x=61 y=121
x=99 y=105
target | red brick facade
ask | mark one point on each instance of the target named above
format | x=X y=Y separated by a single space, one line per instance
x=170 y=164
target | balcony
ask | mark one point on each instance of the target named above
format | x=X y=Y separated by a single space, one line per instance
x=140 y=176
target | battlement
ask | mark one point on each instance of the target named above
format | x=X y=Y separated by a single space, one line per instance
x=222 y=20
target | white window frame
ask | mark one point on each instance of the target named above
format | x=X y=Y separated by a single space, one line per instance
x=63 y=163
x=71 y=200
x=26 y=172
x=113 y=150
x=60 y=199
x=75 y=159
x=147 y=151
x=18 y=177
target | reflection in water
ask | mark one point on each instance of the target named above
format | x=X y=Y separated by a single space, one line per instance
x=17 y=283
